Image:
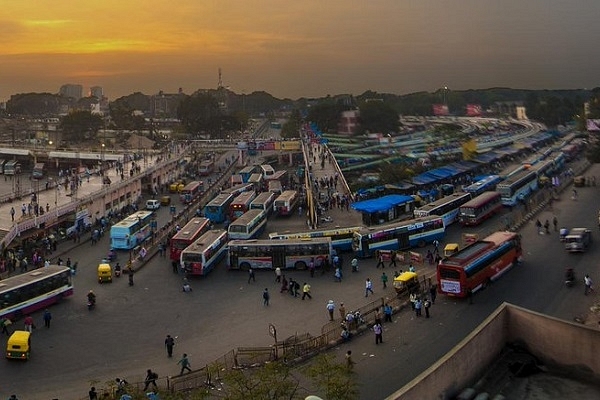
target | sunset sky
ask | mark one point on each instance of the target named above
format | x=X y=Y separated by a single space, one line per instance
x=293 y=49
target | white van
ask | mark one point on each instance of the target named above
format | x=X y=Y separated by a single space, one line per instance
x=152 y=204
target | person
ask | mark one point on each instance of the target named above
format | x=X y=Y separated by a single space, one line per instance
x=151 y=378
x=278 y=275
x=330 y=309
x=186 y=286
x=354 y=264
x=337 y=275
x=368 y=287
x=251 y=276
x=429 y=257
x=547 y=227
x=436 y=246
x=266 y=297
x=433 y=293
x=47 y=318
x=387 y=312
x=418 y=305
x=130 y=273
x=384 y=279
x=169 y=343
x=555 y=223
x=91 y=296
x=349 y=361
x=380 y=259
x=378 y=333
x=13 y=397
x=345 y=334
x=93 y=394
x=538 y=225
x=5 y=323
x=377 y=316
x=411 y=268
x=185 y=364
x=306 y=291
x=588 y=284
x=28 y=322
x=311 y=267
x=284 y=285
x=426 y=305
x=121 y=386
x=392 y=259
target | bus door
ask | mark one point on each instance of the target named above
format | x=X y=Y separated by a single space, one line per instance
x=403 y=241
x=278 y=257
x=233 y=259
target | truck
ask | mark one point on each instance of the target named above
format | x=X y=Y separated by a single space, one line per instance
x=578 y=240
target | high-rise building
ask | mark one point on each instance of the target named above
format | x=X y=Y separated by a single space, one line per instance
x=97 y=92
x=71 y=90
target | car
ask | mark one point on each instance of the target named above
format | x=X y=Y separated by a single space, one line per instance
x=152 y=204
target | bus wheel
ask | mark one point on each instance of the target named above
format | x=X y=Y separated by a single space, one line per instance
x=300 y=265
x=245 y=266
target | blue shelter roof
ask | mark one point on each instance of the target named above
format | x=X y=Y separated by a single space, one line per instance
x=382 y=203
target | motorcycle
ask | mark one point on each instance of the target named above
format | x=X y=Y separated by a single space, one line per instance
x=112 y=255
x=569 y=277
x=91 y=304
x=117 y=270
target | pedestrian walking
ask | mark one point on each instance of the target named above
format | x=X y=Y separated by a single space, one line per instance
x=380 y=259
x=12 y=214
x=337 y=275
x=377 y=316
x=378 y=333
x=169 y=343
x=311 y=267
x=547 y=227
x=384 y=279
x=5 y=323
x=368 y=287
x=306 y=291
x=266 y=297
x=93 y=394
x=28 y=322
x=330 y=309
x=418 y=305
x=433 y=293
x=185 y=364
x=538 y=225
x=47 y=318
x=349 y=361
x=392 y=259
x=436 y=246
x=342 y=311
x=387 y=312
x=588 y=284
x=426 y=305
x=354 y=264
x=151 y=378
x=278 y=275
x=251 y=276
x=555 y=223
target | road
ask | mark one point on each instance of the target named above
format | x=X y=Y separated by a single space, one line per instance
x=124 y=335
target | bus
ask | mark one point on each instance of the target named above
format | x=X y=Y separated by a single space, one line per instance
x=195 y=228
x=34 y=290
x=274 y=187
x=341 y=238
x=257 y=182
x=249 y=226
x=517 y=187
x=544 y=171
x=246 y=172
x=241 y=204
x=200 y=257
x=131 y=231
x=39 y=171
x=264 y=201
x=446 y=207
x=237 y=189
x=277 y=176
x=206 y=167
x=191 y=191
x=217 y=210
x=479 y=264
x=286 y=202
x=284 y=253
x=480 y=208
x=483 y=185
x=401 y=235
x=267 y=170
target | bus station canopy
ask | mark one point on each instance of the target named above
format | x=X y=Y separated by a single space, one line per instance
x=381 y=204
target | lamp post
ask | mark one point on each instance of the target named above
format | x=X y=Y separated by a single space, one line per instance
x=102 y=162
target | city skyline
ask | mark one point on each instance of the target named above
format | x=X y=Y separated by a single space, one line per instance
x=298 y=49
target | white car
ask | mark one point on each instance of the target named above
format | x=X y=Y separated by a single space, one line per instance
x=152 y=204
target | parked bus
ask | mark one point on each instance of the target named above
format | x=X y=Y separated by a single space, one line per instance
x=195 y=228
x=217 y=210
x=237 y=189
x=446 y=207
x=34 y=290
x=12 y=167
x=277 y=176
x=246 y=172
x=249 y=226
x=131 y=231
x=286 y=202
x=38 y=171
x=257 y=182
x=267 y=170
x=206 y=167
x=401 y=235
x=236 y=179
x=479 y=264
x=483 y=185
x=275 y=187
x=200 y=257
x=341 y=238
x=241 y=204
x=191 y=191
x=517 y=187
x=284 y=253
x=480 y=208
x=264 y=201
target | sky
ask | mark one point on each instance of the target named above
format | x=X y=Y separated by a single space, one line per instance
x=294 y=49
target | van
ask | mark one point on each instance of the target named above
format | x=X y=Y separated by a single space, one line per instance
x=152 y=204
x=19 y=345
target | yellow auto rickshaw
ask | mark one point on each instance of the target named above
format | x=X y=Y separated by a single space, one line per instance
x=579 y=181
x=406 y=282
x=104 y=273
x=165 y=200
x=450 y=249
x=176 y=187
x=19 y=345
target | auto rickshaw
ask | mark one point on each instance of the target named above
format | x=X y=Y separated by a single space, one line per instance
x=19 y=345
x=450 y=248
x=165 y=200
x=406 y=282
x=104 y=273
x=579 y=181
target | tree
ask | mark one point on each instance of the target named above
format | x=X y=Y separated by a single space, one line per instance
x=123 y=116
x=377 y=116
x=292 y=126
x=326 y=115
x=333 y=378
x=200 y=114
x=271 y=382
x=80 y=125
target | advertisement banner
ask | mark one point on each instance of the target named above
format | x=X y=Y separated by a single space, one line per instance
x=440 y=109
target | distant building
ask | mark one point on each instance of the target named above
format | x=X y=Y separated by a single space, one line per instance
x=164 y=105
x=97 y=92
x=71 y=90
x=349 y=122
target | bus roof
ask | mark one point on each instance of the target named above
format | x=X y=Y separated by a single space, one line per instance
x=500 y=237
x=255 y=178
x=481 y=199
x=244 y=197
x=281 y=242
x=263 y=197
x=474 y=250
x=191 y=229
x=31 y=276
x=443 y=200
x=287 y=194
x=514 y=178
x=220 y=199
x=191 y=185
x=207 y=239
x=248 y=170
x=246 y=217
x=314 y=234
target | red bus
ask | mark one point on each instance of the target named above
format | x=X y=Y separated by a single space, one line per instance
x=479 y=264
x=191 y=191
x=206 y=167
x=186 y=236
x=475 y=211
x=241 y=204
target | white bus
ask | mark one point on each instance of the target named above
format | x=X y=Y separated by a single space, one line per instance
x=267 y=170
x=286 y=202
x=264 y=201
x=284 y=253
x=446 y=207
x=517 y=187
x=249 y=226
x=200 y=257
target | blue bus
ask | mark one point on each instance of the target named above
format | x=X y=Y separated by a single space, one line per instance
x=401 y=235
x=131 y=231
x=217 y=210
x=487 y=184
x=341 y=238
x=446 y=207
x=246 y=172
x=518 y=187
